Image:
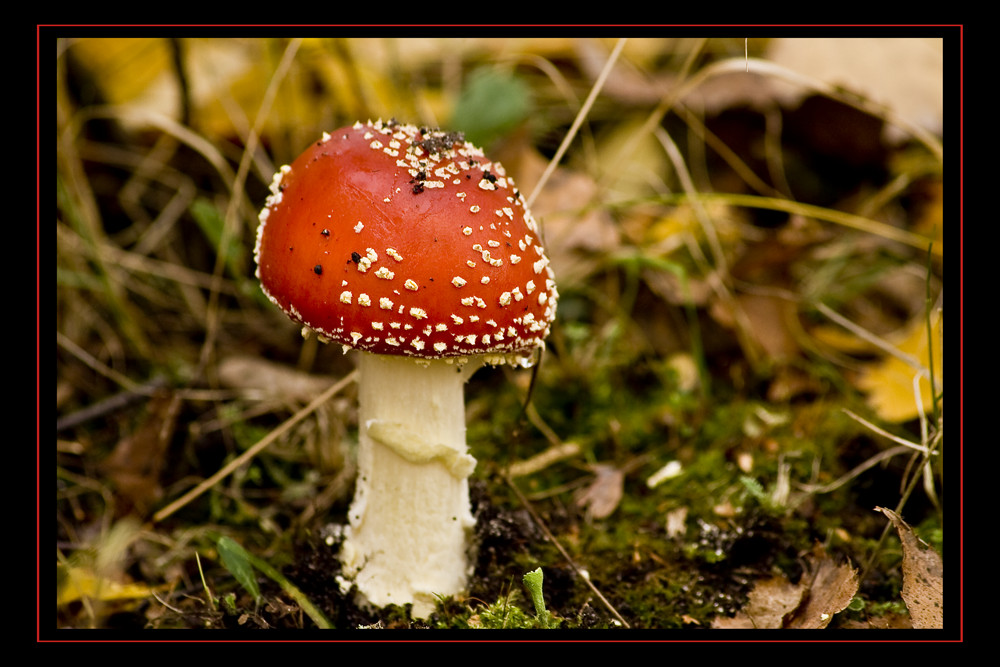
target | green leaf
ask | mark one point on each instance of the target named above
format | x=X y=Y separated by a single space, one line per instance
x=237 y=561
x=492 y=104
x=241 y=564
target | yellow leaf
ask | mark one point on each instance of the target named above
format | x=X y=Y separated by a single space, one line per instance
x=76 y=583
x=124 y=68
x=889 y=382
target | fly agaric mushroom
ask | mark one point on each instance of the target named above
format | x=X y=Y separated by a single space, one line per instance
x=408 y=245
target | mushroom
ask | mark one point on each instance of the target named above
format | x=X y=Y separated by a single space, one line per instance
x=408 y=245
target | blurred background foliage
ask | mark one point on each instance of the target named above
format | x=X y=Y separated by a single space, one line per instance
x=748 y=241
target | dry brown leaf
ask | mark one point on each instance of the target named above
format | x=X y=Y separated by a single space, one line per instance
x=923 y=576
x=830 y=589
x=769 y=318
x=768 y=605
x=602 y=496
x=138 y=459
x=823 y=591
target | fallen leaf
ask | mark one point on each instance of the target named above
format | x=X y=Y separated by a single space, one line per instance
x=831 y=587
x=76 y=583
x=99 y=571
x=824 y=590
x=770 y=318
x=889 y=382
x=138 y=459
x=768 y=605
x=923 y=576
x=602 y=496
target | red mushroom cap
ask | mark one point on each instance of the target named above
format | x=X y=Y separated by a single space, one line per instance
x=394 y=239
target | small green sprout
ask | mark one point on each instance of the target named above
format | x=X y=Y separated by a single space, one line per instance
x=533 y=582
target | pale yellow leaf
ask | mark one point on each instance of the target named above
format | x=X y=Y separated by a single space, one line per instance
x=889 y=382
x=76 y=583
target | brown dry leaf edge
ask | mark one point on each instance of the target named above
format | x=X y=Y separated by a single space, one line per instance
x=825 y=589
x=923 y=576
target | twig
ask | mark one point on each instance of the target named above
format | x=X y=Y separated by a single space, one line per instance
x=543 y=460
x=868 y=336
x=562 y=550
x=256 y=448
x=578 y=121
x=854 y=472
x=886 y=434
x=111 y=404
x=123 y=380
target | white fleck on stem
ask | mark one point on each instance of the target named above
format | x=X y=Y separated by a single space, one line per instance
x=410 y=519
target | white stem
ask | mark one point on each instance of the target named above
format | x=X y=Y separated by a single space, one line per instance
x=410 y=519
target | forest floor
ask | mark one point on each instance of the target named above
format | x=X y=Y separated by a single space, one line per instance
x=737 y=422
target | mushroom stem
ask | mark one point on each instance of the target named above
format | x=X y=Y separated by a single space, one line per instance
x=410 y=519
